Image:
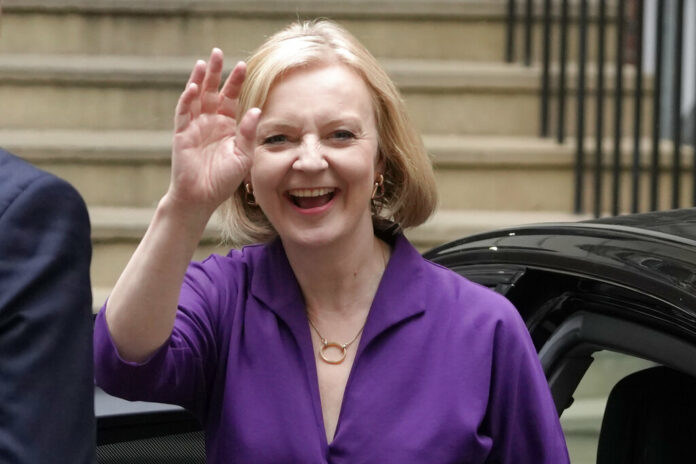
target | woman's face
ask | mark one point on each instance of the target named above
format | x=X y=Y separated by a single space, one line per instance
x=315 y=161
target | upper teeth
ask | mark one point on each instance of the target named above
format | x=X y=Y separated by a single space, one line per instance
x=310 y=192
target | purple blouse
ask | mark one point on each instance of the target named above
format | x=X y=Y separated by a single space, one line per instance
x=445 y=371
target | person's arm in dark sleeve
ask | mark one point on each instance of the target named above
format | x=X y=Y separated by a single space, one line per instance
x=46 y=373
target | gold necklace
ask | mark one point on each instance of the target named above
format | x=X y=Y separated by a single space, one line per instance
x=343 y=347
x=325 y=345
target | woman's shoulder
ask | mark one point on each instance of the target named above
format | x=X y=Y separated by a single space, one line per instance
x=224 y=273
x=473 y=315
x=458 y=298
x=442 y=292
x=236 y=260
x=455 y=286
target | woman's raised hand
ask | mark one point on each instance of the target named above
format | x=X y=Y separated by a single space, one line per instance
x=210 y=154
x=210 y=158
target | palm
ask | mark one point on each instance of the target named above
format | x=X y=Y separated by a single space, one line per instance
x=204 y=165
x=210 y=156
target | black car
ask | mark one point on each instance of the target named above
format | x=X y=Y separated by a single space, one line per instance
x=623 y=285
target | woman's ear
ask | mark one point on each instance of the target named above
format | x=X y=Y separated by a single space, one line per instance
x=380 y=163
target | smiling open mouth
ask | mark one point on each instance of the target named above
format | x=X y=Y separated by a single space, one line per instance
x=311 y=198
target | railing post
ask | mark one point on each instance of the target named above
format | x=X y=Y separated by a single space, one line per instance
x=656 y=109
x=637 y=108
x=528 y=25
x=693 y=136
x=560 y=136
x=546 y=57
x=510 y=32
x=676 y=104
x=618 y=109
x=580 y=137
x=599 y=118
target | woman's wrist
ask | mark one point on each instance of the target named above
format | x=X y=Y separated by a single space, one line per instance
x=183 y=217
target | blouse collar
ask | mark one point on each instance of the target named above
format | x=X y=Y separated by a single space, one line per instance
x=400 y=295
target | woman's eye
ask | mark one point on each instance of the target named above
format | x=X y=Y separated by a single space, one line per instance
x=343 y=135
x=275 y=139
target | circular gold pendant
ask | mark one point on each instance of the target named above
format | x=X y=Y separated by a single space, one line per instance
x=327 y=345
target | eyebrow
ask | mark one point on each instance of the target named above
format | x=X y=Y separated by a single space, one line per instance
x=274 y=125
x=282 y=124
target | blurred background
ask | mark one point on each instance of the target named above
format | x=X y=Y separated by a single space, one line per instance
x=533 y=111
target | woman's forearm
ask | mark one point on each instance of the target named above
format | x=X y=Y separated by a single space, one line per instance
x=210 y=158
x=142 y=306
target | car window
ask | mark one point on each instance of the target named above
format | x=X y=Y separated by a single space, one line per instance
x=583 y=419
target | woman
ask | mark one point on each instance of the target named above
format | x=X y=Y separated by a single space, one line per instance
x=332 y=340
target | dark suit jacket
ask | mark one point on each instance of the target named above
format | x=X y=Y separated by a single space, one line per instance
x=46 y=373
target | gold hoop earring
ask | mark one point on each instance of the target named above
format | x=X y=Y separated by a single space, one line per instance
x=378 y=190
x=249 y=195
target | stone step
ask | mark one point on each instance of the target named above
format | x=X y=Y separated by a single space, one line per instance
x=117 y=231
x=448 y=225
x=529 y=173
x=441 y=29
x=131 y=168
x=132 y=92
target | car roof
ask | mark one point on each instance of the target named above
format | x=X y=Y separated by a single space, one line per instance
x=651 y=253
x=677 y=222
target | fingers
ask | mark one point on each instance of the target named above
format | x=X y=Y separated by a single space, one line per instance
x=184 y=107
x=201 y=93
x=211 y=82
x=197 y=73
x=246 y=133
x=191 y=107
x=230 y=90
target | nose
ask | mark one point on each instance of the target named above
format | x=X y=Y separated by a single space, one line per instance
x=310 y=157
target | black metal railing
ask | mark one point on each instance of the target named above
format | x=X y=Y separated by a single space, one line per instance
x=626 y=17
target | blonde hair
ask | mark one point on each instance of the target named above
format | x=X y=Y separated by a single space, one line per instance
x=410 y=193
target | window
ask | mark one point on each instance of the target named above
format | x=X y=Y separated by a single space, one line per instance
x=583 y=419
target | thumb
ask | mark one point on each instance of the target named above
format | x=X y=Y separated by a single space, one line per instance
x=246 y=133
